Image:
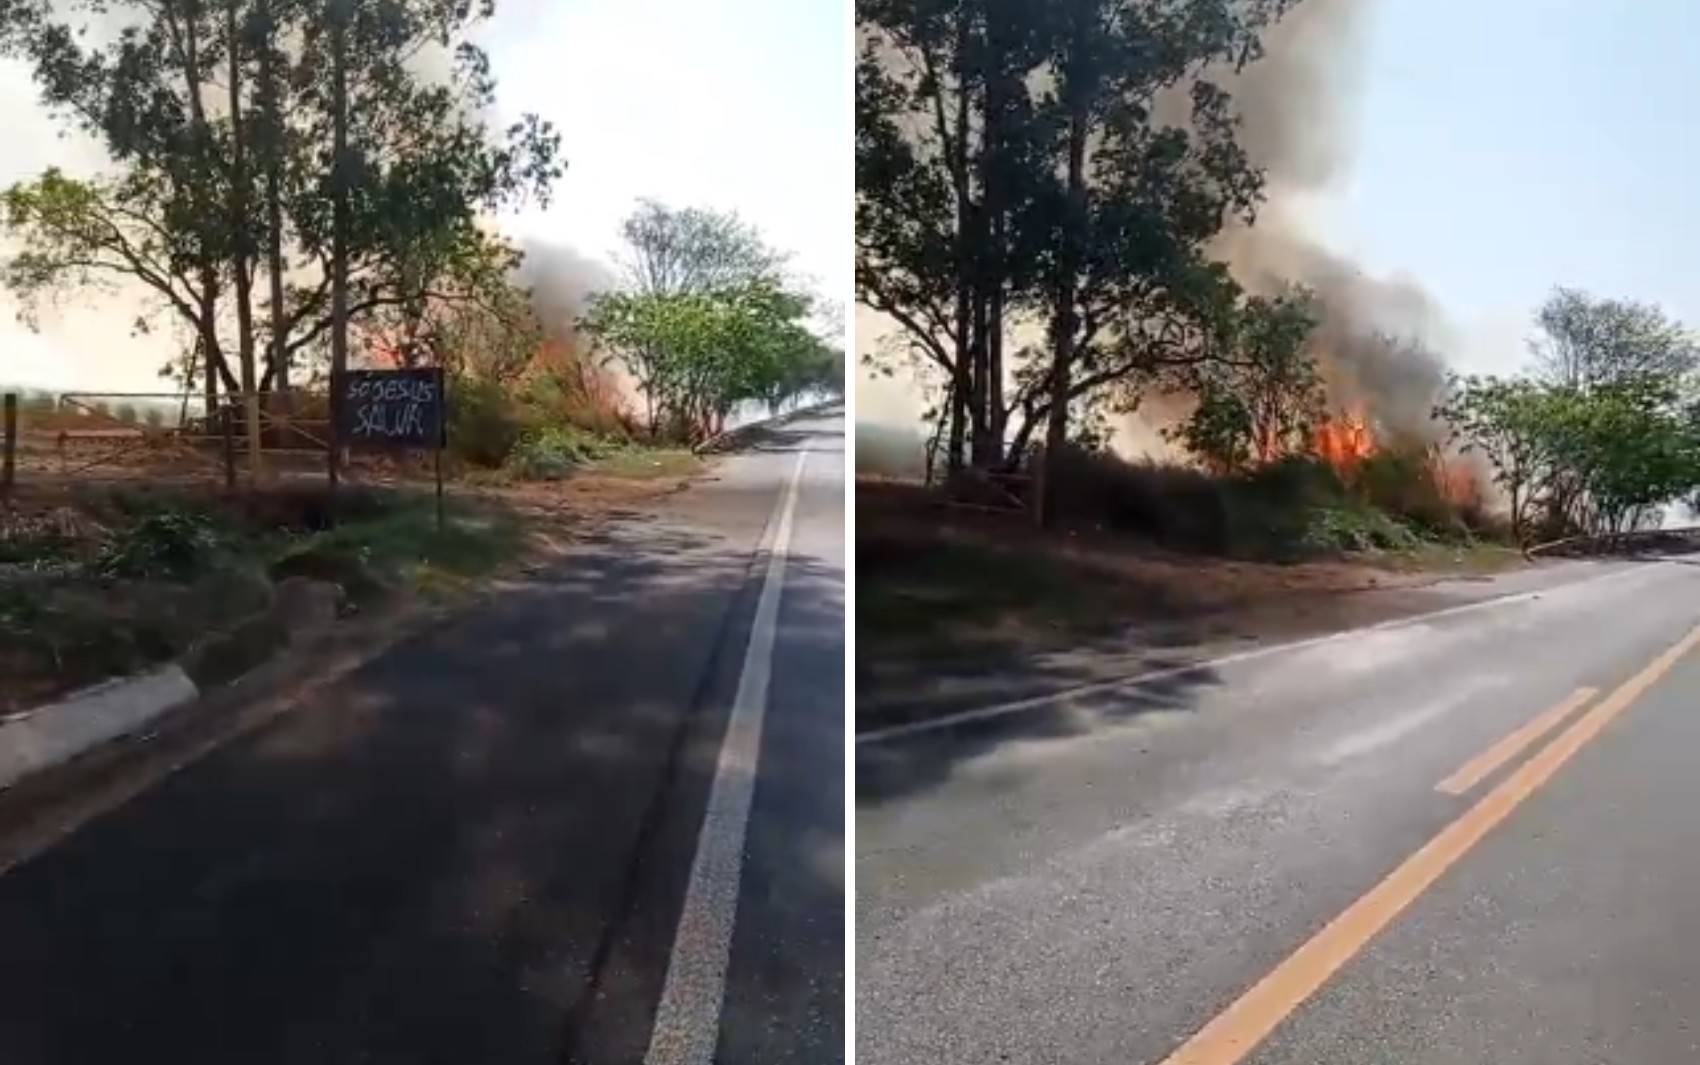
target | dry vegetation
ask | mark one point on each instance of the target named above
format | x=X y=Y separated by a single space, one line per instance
x=1145 y=555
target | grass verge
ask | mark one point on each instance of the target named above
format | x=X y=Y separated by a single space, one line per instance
x=98 y=581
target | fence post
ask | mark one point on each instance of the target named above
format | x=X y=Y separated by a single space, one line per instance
x=226 y=413
x=9 y=450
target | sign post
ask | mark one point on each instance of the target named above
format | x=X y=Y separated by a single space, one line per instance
x=401 y=410
x=8 y=445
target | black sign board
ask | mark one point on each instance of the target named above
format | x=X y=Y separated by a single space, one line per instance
x=393 y=409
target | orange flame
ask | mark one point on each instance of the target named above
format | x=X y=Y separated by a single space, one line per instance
x=1458 y=482
x=1343 y=442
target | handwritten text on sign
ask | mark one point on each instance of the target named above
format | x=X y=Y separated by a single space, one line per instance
x=393 y=408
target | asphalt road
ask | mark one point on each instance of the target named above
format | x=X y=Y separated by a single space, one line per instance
x=1309 y=857
x=478 y=847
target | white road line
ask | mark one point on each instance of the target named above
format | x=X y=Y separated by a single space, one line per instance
x=986 y=713
x=687 y=1021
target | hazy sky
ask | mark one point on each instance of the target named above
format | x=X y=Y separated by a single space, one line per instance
x=1505 y=146
x=741 y=105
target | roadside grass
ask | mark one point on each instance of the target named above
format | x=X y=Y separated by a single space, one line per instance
x=401 y=547
x=1461 y=559
x=540 y=464
x=108 y=583
x=641 y=463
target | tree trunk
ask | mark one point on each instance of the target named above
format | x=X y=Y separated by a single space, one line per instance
x=277 y=359
x=210 y=384
x=958 y=409
x=339 y=16
x=242 y=265
x=1063 y=316
x=962 y=384
x=186 y=37
x=993 y=273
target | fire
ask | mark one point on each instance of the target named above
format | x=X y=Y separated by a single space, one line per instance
x=1343 y=442
x=1457 y=482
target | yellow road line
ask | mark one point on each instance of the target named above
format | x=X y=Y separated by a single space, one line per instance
x=1478 y=768
x=1238 y=1029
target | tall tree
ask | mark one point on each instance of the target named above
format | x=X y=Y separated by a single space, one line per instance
x=1012 y=177
x=1585 y=341
x=414 y=168
x=1140 y=200
x=1264 y=399
x=949 y=179
x=675 y=251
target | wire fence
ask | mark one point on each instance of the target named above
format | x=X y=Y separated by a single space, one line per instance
x=181 y=435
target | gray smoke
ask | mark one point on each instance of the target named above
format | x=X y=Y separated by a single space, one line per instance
x=561 y=281
x=1297 y=109
x=1376 y=343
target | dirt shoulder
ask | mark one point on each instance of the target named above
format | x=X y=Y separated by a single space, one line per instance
x=957 y=609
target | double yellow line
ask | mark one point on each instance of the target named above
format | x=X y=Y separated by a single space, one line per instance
x=1235 y=1031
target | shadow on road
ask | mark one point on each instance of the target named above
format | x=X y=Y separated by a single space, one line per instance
x=436 y=858
x=887 y=770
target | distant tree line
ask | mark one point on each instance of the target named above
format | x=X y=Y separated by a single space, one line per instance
x=707 y=320
x=1602 y=433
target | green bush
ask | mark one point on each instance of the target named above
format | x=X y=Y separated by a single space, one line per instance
x=485 y=424
x=1296 y=508
x=168 y=544
x=1330 y=530
x=552 y=452
x=1402 y=482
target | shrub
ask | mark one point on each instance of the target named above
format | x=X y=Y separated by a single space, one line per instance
x=551 y=452
x=1401 y=481
x=1174 y=505
x=171 y=544
x=1330 y=530
x=1295 y=508
x=485 y=424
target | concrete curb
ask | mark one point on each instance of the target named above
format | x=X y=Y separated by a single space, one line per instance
x=49 y=735
x=716 y=444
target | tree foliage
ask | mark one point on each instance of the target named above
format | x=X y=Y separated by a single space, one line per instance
x=1262 y=401
x=1603 y=435
x=674 y=251
x=1055 y=169
x=708 y=321
x=1585 y=342
x=219 y=120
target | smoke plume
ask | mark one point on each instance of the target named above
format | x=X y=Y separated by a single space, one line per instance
x=1377 y=339
x=561 y=281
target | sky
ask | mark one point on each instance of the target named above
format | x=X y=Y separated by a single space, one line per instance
x=740 y=105
x=1506 y=146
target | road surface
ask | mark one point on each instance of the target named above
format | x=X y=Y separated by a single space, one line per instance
x=1467 y=838
x=477 y=847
